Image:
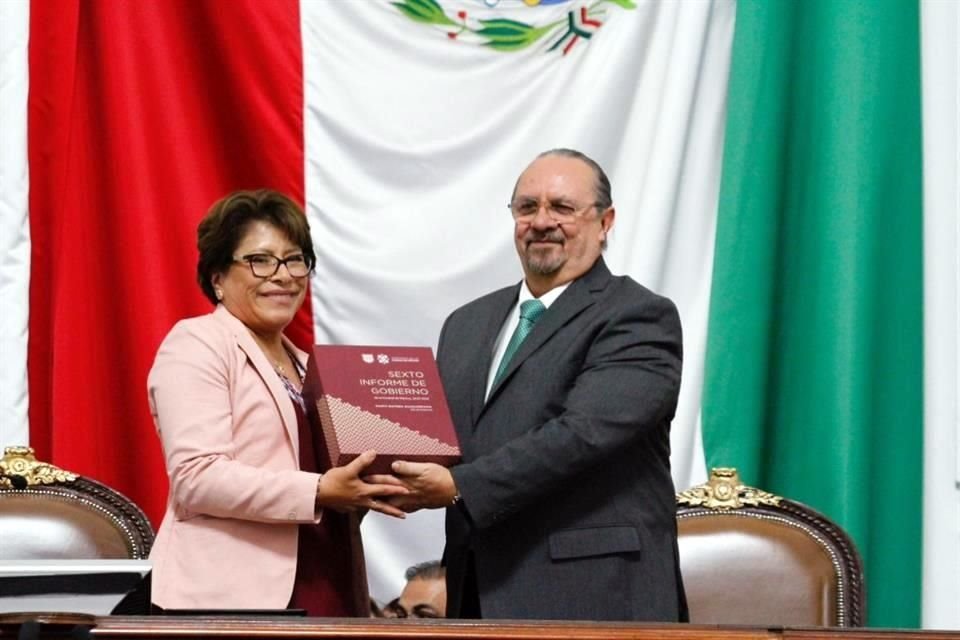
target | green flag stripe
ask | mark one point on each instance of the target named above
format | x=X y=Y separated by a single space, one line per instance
x=813 y=382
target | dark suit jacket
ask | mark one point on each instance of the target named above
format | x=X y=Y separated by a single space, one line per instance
x=570 y=509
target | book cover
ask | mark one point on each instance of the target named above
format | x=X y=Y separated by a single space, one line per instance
x=389 y=399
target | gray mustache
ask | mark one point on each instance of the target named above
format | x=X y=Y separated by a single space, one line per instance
x=544 y=237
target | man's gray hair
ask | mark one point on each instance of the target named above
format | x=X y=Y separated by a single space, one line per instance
x=604 y=198
x=430 y=570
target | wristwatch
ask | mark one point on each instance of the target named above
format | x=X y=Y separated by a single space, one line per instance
x=461 y=507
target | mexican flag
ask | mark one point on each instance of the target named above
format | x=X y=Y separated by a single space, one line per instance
x=786 y=172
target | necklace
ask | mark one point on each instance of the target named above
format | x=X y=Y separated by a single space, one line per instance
x=278 y=365
x=292 y=389
x=282 y=371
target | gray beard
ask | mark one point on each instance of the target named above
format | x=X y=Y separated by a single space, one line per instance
x=541 y=265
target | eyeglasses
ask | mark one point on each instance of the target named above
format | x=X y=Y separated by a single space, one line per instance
x=264 y=265
x=562 y=211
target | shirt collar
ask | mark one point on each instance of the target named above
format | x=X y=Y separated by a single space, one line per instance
x=547 y=299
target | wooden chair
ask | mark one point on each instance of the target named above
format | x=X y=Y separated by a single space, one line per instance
x=47 y=513
x=752 y=558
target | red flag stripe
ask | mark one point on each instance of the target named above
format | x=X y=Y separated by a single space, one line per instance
x=141 y=114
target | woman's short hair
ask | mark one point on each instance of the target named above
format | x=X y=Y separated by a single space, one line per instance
x=223 y=227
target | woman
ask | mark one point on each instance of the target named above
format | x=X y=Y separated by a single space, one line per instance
x=250 y=521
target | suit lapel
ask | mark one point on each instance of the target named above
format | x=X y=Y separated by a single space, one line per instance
x=263 y=367
x=581 y=294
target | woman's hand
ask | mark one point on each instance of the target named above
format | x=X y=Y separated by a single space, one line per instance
x=342 y=489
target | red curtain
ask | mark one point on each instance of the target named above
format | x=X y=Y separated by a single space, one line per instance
x=141 y=114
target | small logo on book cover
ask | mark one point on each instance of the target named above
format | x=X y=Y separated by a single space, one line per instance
x=383 y=358
x=367 y=357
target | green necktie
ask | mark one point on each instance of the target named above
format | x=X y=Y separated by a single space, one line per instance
x=530 y=312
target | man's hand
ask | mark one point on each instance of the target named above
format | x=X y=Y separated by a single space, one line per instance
x=430 y=486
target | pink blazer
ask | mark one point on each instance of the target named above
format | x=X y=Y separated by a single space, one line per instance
x=229 y=435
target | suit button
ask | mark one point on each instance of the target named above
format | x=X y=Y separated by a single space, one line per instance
x=292 y=515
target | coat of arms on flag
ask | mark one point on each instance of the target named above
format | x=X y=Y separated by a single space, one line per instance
x=486 y=27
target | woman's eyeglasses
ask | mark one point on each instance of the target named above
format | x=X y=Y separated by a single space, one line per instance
x=264 y=265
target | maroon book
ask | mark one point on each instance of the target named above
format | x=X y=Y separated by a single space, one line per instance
x=389 y=399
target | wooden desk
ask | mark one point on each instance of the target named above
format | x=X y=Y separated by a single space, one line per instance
x=226 y=628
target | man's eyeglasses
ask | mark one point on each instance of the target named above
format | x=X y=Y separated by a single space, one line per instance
x=264 y=265
x=562 y=211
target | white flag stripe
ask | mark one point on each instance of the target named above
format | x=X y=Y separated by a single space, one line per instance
x=414 y=141
x=941 y=204
x=14 y=222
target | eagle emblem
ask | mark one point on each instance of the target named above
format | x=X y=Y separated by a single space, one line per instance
x=486 y=27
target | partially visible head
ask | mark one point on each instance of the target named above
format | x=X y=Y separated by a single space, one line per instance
x=425 y=594
x=254 y=223
x=563 y=210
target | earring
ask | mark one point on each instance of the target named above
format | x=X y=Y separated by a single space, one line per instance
x=219 y=294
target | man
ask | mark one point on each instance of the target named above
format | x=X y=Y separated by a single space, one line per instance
x=424 y=595
x=563 y=506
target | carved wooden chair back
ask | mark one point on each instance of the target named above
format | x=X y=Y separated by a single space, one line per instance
x=47 y=513
x=752 y=558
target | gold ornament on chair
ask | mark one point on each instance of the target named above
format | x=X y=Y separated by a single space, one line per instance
x=20 y=462
x=725 y=491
